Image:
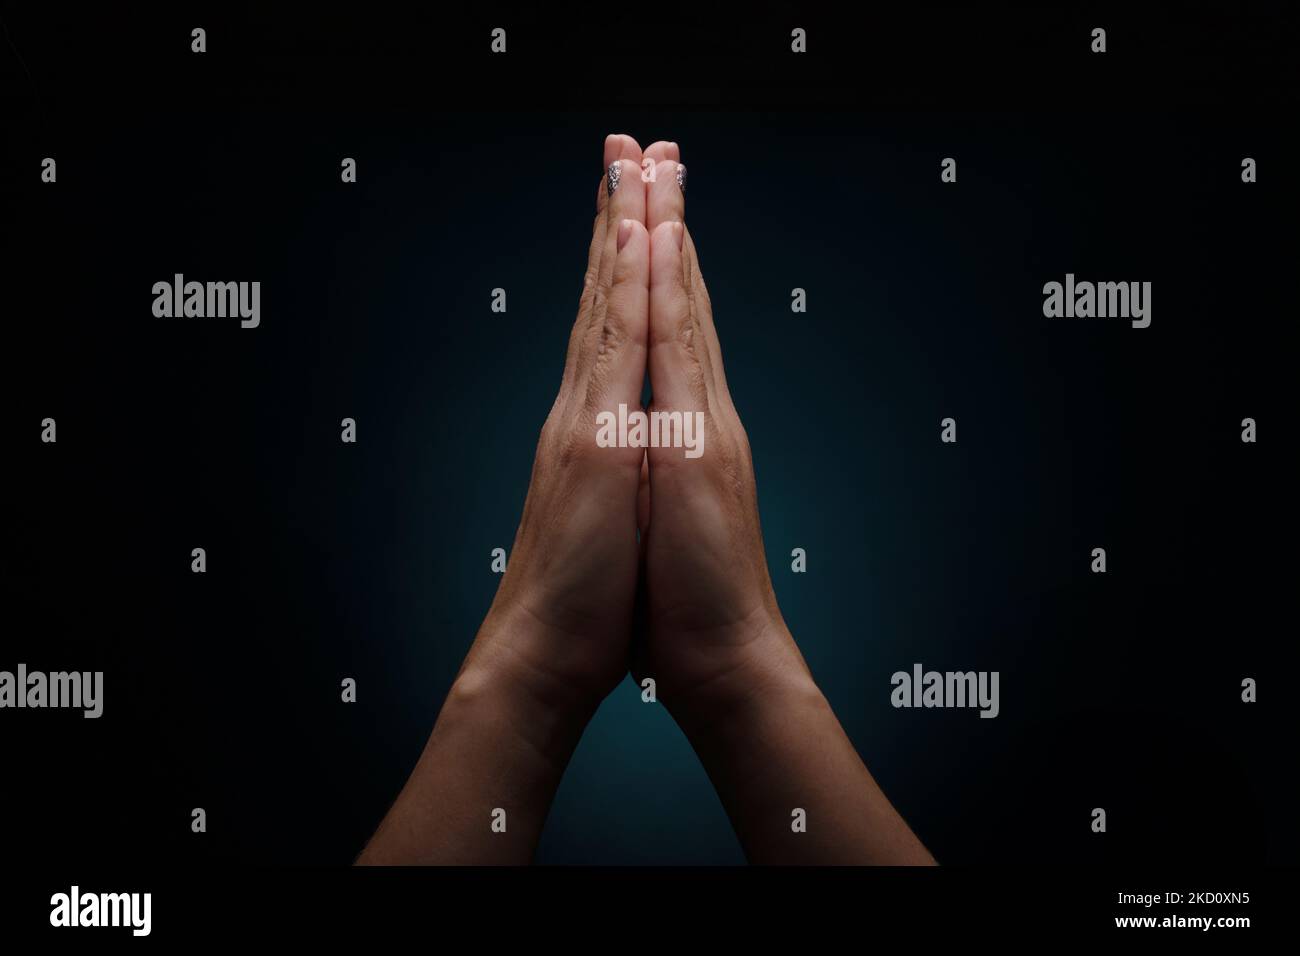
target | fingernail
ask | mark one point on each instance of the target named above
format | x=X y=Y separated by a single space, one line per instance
x=681 y=177
x=624 y=232
x=679 y=231
x=614 y=174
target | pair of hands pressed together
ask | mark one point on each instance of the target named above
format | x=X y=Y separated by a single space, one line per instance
x=688 y=601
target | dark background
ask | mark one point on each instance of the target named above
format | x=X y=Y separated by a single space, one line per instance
x=372 y=560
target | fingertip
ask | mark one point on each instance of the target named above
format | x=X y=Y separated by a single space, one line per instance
x=621 y=146
x=625 y=232
x=665 y=252
x=664 y=233
x=661 y=150
x=665 y=199
x=633 y=248
x=613 y=148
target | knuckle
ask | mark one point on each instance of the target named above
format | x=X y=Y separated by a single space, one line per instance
x=577 y=448
x=685 y=334
x=621 y=279
x=561 y=444
x=547 y=439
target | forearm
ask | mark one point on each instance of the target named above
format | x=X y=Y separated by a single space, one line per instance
x=500 y=743
x=779 y=748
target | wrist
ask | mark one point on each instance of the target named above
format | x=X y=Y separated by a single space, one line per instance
x=506 y=681
x=769 y=677
x=735 y=736
x=497 y=701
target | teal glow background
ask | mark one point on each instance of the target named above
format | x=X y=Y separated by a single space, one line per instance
x=372 y=561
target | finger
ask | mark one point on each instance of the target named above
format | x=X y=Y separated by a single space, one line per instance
x=665 y=199
x=666 y=202
x=661 y=150
x=626 y=201
x=677 y=358
x=703 y=308
x=616 y=146
x=657 y=152
x=616 y=343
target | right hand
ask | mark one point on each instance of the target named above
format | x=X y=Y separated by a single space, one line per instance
x=714 y=634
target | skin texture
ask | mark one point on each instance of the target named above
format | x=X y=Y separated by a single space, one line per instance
x=684 y=596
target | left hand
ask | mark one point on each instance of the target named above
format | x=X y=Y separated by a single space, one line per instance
x=561 y=620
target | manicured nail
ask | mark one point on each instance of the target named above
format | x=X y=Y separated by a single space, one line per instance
x=681 y=177
x=614 y=174
x=624 y=232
